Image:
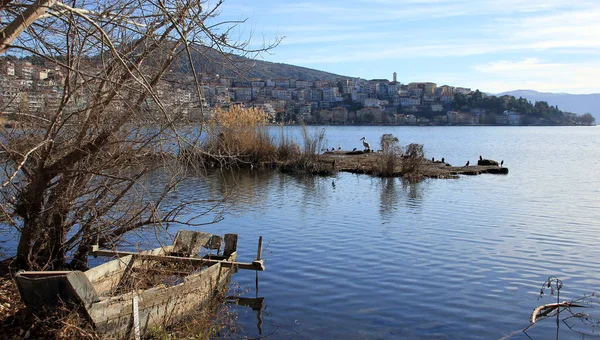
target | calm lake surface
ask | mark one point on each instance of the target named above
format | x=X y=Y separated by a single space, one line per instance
x=357 y=257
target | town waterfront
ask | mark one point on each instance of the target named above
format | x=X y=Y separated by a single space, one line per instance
x=357 y=257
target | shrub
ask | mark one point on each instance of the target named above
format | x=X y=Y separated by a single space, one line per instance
x=391 y=151
x=240 y=135
x=412 y=161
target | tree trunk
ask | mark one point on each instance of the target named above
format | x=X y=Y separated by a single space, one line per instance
x=24 y=247
x=80 y=259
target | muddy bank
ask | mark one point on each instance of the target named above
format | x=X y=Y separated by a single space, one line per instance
x=371 y=163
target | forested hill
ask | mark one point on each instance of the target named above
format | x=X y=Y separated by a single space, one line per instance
x=577 y=103
x=538 y=113
x=209 y=62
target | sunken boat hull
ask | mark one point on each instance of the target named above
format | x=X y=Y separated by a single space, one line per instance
x=120 y=298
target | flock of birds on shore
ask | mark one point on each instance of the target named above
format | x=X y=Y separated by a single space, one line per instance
x=367 y=147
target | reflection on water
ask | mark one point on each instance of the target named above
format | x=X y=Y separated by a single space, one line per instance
x=354 y=257
x=390 y=197
x=394 y=191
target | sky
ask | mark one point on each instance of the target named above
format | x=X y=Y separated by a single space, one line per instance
x=490 y=45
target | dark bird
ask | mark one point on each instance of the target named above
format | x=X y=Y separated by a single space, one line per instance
x=366 y=144
x=433 y=159
x=354 y=149
x=333 y=184
x=501 y=163
x=443 y=160
x=480 y=158
x=467 y=163
x=339 y=148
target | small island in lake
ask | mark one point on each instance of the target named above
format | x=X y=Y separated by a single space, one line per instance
x=371 y=163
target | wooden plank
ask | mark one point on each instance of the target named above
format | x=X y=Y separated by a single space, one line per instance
x=188 y=242
x=136 y=317
x=255 y=265
x=215 y=242
x=106 y=277
x=230 y=244
x=259 y=252
x=40 y=290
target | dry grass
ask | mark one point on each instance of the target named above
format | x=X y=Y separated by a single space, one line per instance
x=309 y=160
x=287 y=149
x=210 y=321
x=17 y=322
x=241 y=135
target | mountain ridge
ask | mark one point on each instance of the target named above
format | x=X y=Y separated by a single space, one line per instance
x=576 y=103
x=208 y=61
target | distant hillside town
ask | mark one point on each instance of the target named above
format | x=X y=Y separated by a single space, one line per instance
x=30 y=88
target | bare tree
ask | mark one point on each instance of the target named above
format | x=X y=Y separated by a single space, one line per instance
x=74 y=171
x=587 y=118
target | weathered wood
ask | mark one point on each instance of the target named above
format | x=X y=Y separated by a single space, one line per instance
x=189 y=242
x=215 y=242
x=230 y=244
x=259 y=252
x=255 y=265
x=159 y=305
x=113 y=316
x=544 y=310
x=41 y=290
x=136 y=317
x=106 y=277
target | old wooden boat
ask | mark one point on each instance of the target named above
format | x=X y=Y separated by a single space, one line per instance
x=126 y=296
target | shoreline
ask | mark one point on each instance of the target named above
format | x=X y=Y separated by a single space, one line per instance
x=370 y=163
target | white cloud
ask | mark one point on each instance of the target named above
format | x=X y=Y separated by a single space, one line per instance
x=348 y=36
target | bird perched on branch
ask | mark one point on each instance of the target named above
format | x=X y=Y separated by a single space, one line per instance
x=366 y=144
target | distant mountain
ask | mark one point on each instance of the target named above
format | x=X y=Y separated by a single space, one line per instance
x=210 y=62
x=576 y=103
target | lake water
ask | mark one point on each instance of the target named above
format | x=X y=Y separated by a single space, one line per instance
x=357 y=257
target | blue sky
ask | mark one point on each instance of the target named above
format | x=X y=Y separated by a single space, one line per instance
x=491 y=45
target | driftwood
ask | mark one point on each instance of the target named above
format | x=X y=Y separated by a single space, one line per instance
x=545 y=310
